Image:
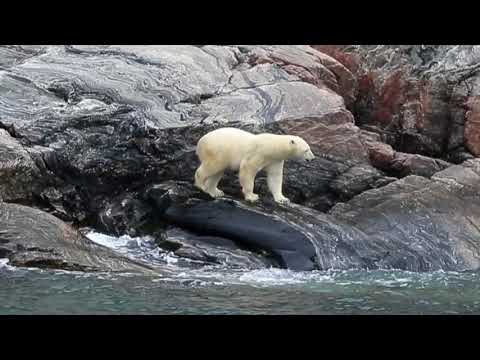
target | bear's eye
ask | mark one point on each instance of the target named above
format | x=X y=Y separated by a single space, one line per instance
x=292 y=142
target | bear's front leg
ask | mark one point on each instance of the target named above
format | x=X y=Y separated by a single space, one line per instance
x=275 y=181
x=247 y=175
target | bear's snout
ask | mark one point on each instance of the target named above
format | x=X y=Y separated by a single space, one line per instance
x=309 y=156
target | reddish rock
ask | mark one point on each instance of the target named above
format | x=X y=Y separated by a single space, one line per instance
x=414 y=164
x=380 y=154
x=406 y=94
x=310 y=66
x=303 y=74
x=391 y=96
x=384 y=157
x=333 y=135
x=393 y=101
x=350 y=60
x=472 y=125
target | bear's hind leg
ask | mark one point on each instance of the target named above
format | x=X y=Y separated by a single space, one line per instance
x=212 y=185
x=207 y=177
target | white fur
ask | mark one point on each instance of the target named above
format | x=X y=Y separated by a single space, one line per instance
x=238 y=150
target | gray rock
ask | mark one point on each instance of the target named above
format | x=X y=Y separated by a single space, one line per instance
x=33 y=238
x=18 y=172
x=421 y=224
x=212 y=250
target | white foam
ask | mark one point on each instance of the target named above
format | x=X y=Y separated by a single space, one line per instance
x=125 y=244
x=214 y=274
x=218 y=275
x=282 y=277
x=4 y=264
x=169 y=258
x=143 y=247
x=112 y=242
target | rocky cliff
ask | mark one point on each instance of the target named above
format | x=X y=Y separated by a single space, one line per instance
x=104 y=137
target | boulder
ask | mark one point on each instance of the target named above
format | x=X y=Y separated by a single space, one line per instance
x=32 y=238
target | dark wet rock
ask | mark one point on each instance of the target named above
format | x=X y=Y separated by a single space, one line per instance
x=125 y=214
x=425 y=224
x=358 y=179
x=414 y=224
x=213 y=250
x=177 y=204
x=33 y=238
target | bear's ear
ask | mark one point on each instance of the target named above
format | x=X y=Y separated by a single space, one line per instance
x=292 y=142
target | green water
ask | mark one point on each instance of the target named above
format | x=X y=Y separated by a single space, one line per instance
x=217 y=291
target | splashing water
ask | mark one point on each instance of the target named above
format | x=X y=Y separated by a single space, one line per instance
x=220 y=290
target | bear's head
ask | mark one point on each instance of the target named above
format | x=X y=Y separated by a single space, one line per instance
x=300 y=149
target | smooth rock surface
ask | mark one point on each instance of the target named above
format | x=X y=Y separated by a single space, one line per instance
x=33 y=238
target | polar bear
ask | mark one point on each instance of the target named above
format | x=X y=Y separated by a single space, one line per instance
x=238 y=150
